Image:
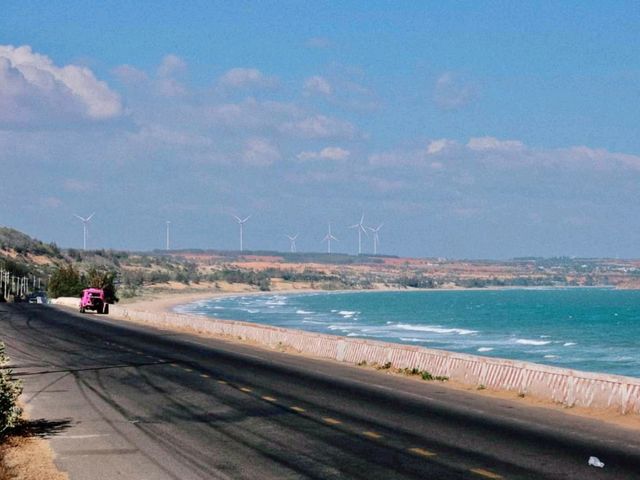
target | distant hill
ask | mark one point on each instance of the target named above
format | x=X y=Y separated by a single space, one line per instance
x=22 y=244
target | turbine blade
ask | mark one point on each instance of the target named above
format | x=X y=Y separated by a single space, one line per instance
x=237 y=218
x=246 y=219
x=78 y=216
x=90 y=216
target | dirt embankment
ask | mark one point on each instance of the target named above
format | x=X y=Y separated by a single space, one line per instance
x=25 y=453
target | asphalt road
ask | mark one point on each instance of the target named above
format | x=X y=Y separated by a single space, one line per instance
x=132 y=402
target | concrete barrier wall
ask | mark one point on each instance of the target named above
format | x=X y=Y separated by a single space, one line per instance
x=560 y=385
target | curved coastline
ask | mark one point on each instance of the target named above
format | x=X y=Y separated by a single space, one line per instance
x=610 y=398
x=556 y=340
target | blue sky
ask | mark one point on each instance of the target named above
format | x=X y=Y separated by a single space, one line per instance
x=470 y=129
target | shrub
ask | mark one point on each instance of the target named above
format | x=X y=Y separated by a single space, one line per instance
x=427 y=376
x=65 y=282
x=10 y=390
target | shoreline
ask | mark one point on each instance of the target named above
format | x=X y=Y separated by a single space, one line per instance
x=165 y=301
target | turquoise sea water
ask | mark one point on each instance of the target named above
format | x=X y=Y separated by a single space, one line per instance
x=586 y=329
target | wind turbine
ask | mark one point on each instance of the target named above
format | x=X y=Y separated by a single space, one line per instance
x=376 y=237
x=85 y=223
x=361 y=230
x=241 y=222
x=168 y=223
x=292 y=239
x=328 y=237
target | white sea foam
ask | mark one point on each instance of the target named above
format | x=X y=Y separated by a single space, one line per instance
x=524 y=341
x=551 y=356
x=485 y=349
x=405 y=339
x=569 y=344
x=344 y=328
x=252 y=310
x=277 y=300
x=303 y=312
x=434 y=329
x=347 y=313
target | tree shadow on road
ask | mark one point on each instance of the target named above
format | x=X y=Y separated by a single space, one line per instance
x=40 y=427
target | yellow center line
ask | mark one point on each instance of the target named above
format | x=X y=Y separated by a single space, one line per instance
x=422 y=452
x=187 y=370
x=175 y=365
x=222 y=382
x=298 y=409
x=204 y=375
x=331 y=421
x=486 y=473
x=372 y=435
x=269 y=399
x=139 y=353
x=245 y=389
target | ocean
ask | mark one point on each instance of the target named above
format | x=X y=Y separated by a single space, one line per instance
x=591 y=329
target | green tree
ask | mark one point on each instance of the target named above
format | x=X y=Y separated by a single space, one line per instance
x=10 y=390
x=65 y=282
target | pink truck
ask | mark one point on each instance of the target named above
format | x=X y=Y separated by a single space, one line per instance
x=93 y=299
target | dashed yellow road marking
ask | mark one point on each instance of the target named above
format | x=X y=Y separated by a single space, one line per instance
x=204 y=375
x=298 y=409
x=222 y=382
x=269 y=399
x=245 y=389
x=372 y=434
x=486 y=473
x=422 y=452
x=187 y=370
x=331 y=421
x=139 y=353
x=174 y=365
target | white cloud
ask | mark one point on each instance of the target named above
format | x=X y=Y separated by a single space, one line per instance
x=247 y=78
x=452 y=93
x=129 y=74
x=152 y=136
x=317 y=85
x=33 y=89
x=166 y=83
x=260 y=152
x=600 y=158
x=483 y=144
x=328 y=153
x=252 y=114
x=320 y=126
x=442 y=145
x=171 y=65
x=170 y=87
